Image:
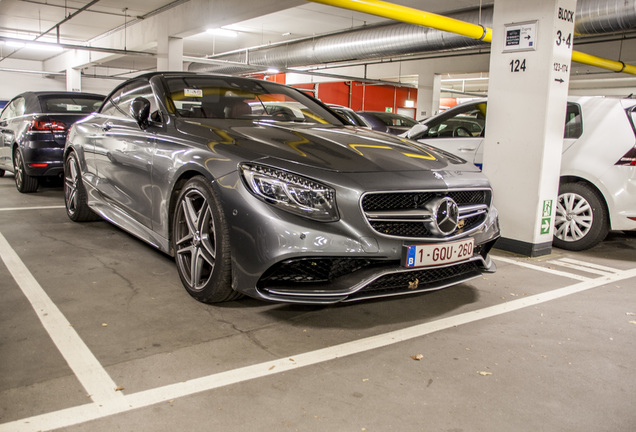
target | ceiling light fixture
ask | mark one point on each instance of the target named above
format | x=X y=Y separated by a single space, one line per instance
x=13 y=44
x=223 y=32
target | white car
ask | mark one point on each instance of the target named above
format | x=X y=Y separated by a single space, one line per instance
x=597 y=192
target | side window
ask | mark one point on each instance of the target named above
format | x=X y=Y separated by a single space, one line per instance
x=110 y=105
x=15 y=108
x=119 y=104
x=467 y=122
x=573 y=122
x=6 y=113
x=19 y=107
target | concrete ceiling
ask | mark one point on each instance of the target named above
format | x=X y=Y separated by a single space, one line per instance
x=289 y=20
x=119 y=25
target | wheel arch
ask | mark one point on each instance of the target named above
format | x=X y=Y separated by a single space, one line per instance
x=577 y=179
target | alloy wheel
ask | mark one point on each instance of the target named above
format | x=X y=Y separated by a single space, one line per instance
x=574 y=217
x=195 y=239
x=18 y=169
x=70 y=185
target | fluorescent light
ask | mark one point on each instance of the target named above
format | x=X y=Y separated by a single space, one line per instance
x=409 y=104
x=13 y=44
x=223 y=32
x=45 y=47
x=273 y=70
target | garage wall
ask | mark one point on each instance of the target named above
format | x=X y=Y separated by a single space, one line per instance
x=362 y=96
x=14 y=83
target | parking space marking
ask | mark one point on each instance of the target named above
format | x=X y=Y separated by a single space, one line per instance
x=539 y=268
x=80 y=359
x=583 y=266
x=94 y=411
x=32 y=208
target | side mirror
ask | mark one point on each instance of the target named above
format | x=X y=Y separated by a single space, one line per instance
x=416 y=131
x=140 y=110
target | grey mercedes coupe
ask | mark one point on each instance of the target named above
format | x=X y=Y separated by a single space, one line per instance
x=257 y=188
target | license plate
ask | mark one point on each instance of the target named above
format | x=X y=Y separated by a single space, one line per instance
x=438 y=253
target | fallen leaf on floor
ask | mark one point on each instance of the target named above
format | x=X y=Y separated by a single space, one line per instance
x=632 y=322
x=119 y=388
x=418 y=357
x=104 y=325
x=482 y=373
x=272 y=367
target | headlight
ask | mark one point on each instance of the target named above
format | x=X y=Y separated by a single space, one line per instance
x=291 y=192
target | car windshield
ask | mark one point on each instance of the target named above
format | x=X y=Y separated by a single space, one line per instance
x=70 y=104
x=232 y=98
x=390 y=119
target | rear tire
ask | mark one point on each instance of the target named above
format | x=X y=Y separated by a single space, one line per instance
x=23 y=182
x=581 y=220
x=200 y=240
x=74 y=192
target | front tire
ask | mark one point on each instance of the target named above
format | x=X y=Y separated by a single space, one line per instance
x=74 y=192
x=581 y=220
x=200 y=239
x=23 y=182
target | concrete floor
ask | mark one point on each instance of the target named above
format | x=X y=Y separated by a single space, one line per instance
x=110 y=341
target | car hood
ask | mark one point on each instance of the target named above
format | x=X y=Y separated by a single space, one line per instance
x=330 y=147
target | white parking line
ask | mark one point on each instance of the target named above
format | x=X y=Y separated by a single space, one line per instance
x=31 y=208
x=81 y=360
x=84 y=413
x=539 y=268
x=590 y=265
x=582 y=266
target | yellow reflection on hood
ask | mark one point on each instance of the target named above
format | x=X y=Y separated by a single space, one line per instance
x=422 y=155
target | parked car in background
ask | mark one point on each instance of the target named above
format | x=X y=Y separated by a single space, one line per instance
x=597 y=192
x=387 y=122
x=256 y=188
x=350 y=115
x=33 y=128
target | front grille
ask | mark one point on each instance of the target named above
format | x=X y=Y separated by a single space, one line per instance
x=401 y=229
x=396 y=202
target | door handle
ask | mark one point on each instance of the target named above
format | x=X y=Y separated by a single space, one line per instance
x=466 y=149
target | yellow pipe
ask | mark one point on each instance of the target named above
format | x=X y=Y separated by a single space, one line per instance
x=439 y=22
x=413 y=16
x=612 y=65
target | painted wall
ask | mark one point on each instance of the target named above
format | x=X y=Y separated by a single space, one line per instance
x=362 y=96
x=14 y=83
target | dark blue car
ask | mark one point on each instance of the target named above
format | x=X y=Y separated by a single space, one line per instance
x=33 y=128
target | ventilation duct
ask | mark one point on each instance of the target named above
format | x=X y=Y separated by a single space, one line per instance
x=592 y=17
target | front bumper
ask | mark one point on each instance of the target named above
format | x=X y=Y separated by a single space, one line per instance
x=281 y=257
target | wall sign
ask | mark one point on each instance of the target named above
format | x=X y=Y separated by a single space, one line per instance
x=546 y=216
x=520 y=37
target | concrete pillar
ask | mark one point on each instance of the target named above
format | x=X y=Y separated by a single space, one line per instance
x=169 y=53
x=73 y=80
x=529 y=75
x=428 y=91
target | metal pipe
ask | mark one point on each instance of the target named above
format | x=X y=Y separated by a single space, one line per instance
x=413 y=16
